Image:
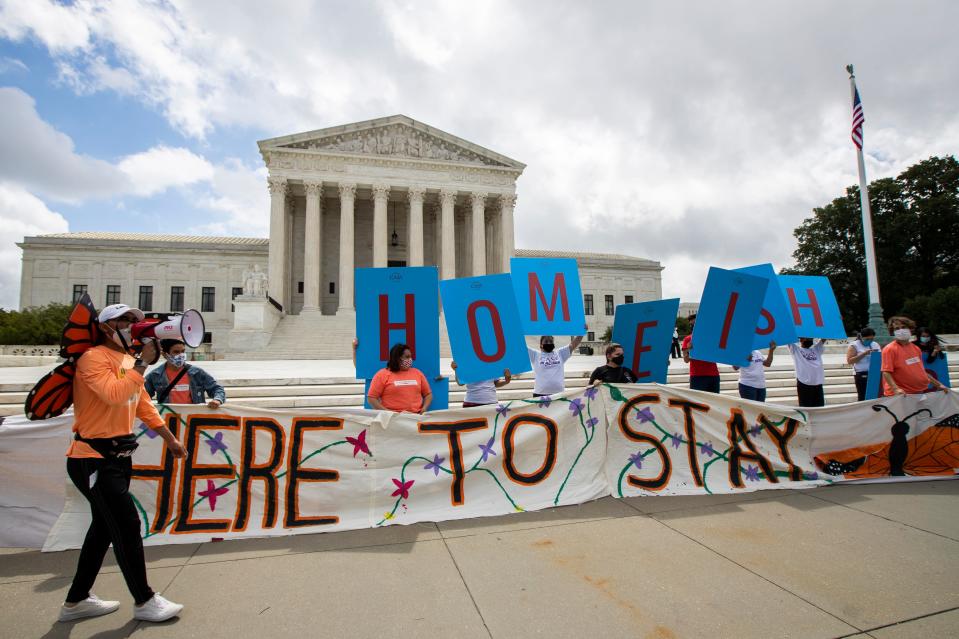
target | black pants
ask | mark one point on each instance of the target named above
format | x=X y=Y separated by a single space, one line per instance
x=674 y=351
x=708 y=383
x=115 y=520
x=861 y=380
x=810 y=396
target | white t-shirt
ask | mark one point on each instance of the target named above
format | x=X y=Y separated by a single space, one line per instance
x=808 y=362
x=862 y=366
x=549 y=370
x=754 y=374
x=481 y=392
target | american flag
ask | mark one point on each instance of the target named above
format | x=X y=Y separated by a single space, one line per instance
x=857 y=120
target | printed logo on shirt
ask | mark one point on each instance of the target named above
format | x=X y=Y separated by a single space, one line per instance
x=811 y=356
x=547 y=360
x=406 y=382
x=912 y=360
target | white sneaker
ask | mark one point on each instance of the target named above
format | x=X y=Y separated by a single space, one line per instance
x=92 y=606
x=157 y=609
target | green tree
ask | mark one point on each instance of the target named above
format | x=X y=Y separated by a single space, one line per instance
x=939 y=311
x=916 y=229
x=41 y=325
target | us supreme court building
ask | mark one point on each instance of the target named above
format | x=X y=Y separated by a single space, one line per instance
x=385 y=192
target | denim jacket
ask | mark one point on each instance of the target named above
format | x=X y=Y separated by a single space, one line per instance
x=201 y=384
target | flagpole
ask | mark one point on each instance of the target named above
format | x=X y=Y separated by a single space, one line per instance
x=876 y=321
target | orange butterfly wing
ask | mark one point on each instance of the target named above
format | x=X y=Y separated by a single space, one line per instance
x=81 y=330
x=53 y=394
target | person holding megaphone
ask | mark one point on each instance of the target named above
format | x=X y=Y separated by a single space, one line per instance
x=176 y=382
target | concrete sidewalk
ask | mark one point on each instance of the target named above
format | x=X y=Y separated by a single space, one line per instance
x=862 y=560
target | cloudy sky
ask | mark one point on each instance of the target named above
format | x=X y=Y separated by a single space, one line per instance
x=693 y=133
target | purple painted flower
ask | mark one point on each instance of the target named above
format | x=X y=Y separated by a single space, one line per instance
x=752 y=473
x=216 y=443
x=645 y=415
x=502 y=409
x=637 y=459
x=592 y=392
x=149 y=432
x=707 y=449
x=811 y=476
x=435 y=465
x=576 y=407
x=487 y=449
x=755 y=430
x=676 y=440
x=592 y=421
x=544 y=401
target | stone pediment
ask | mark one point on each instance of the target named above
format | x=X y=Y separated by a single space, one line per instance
x=395 y=137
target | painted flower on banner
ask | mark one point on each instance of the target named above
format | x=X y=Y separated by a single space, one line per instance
x=487 y=449
x=755 y=430
x=502 y=409
x=359 y=444
x=212 y=492
x=216 y=443
x=707 y=449
x=645 y=415
x=544 y=401
x=402 y=488
x=435 y=465
x=576 y=407
x=676 y=440
x=592 y=421
x=592 y=392
x=146 y=430
x=810 y=476
x=752 y=473
x=637 y=459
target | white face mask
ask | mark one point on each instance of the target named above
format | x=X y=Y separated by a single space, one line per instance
x=902 y=334
x=122 y=337
x=177 y=360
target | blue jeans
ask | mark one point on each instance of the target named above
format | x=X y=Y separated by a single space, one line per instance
x=753 y=393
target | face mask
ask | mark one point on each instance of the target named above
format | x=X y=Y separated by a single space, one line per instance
x=406 y=364
x=902 y=334
x=866 y=342
x=924 y=339
x=806 y=343
x=548 y=347
x=122 y=337
x=177 y=360
x=618 y=360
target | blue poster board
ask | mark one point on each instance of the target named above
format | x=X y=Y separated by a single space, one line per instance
x=484 y=328
x=728 y=313
x=938 y=368
x=645 y=331
x=812 y=306
x=397 y=305
x=440 y=388
x=775 y=322
x=874 y=378
x=548 y=295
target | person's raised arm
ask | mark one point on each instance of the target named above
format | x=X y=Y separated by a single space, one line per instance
x=574 y=342
x=507 y=378
x=769 y=356
x=456 y=374
x=356 y=343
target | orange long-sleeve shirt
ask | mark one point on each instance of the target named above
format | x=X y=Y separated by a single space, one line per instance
x=107 y=395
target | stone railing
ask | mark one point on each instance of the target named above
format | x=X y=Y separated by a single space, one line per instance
x=29 y=351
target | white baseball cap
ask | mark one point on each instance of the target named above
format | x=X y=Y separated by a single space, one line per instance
x=118 y=310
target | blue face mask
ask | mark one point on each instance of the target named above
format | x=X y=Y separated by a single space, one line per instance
x=866 y=342
x=924 y=339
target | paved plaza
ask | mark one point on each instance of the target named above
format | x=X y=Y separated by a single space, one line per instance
x=862 y=560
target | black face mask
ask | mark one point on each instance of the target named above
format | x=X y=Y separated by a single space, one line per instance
x=548 y=347
x=618 y=360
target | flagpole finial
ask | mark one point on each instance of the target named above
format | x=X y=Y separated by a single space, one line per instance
x=849 y=69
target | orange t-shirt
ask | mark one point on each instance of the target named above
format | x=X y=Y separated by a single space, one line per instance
x=400 y=391
x=107 y=395
x=179 y=394
x=904 y=362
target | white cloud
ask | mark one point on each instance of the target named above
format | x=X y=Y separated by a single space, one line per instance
x=21 y=214
x=157 y=169
x=8 y=65
x=60 y=27
x=239 y=197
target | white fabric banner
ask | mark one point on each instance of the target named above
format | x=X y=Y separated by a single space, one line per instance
x=256 y=472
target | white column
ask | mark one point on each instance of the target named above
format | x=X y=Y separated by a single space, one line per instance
x=507 y=203
x=479 y=232
x=312 y=247
x=416 y=194
x=381 y=195
x=347 y=200
x=278 y=247
x=448 y=270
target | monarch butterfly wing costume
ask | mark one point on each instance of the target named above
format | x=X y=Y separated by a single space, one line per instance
x=53 y=394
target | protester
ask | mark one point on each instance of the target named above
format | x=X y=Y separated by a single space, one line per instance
x=481 y=393
x=108 y=394
x=752 y=377
x=807 y=358
x=168 y=385
x=703 y=376
x=399 y=387
x=858 y=355
x=549 y=365
x=902 y=370
x=929 y=343
x=613 y=372
x=675 y=351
